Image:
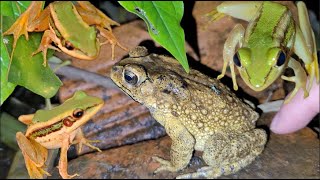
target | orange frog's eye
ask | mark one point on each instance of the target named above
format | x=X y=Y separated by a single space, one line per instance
x=78 y=113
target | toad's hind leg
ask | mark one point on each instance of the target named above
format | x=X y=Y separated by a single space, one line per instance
x=228 y=155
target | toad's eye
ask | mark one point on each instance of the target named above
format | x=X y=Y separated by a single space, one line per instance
x=130 y=77
x=281 y=59
x=78 y=113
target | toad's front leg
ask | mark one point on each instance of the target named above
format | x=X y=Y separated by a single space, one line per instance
x=181 y=148
x=227 y=155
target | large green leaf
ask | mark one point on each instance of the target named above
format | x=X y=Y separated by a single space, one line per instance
x=5 y=86
x=9 y=126
x=25 y=70
x=163 y=20
x=12 y=9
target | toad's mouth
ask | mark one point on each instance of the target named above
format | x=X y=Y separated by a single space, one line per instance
x=125 y=90
x=116 y=73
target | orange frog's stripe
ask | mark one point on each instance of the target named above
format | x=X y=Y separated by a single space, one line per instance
x=51 y=128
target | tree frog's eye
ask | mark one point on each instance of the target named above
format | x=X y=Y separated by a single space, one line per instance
x=236 y=60
x=78 y=113
x=130 y=77
x=69 y=45
x=97 y=30
x=281 y=59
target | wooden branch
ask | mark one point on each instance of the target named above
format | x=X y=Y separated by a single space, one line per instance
x=80 y=74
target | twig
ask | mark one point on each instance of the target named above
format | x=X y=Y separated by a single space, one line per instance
x=79 y=74
x=272 y=106
x=48 y=104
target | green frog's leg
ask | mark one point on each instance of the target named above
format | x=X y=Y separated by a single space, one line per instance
x=26 y=119
x=300 y=79
x=226 y=155
x=110 y=39
x=79 y=138
x=181 y=148
x=93 y=16
x=242 y=10
x=305 y=46
x=63 y=162
x=237 y=9
x=33 y=19
x=34 y=155
x=235 y=38
x=48 y=37
x=26 y=22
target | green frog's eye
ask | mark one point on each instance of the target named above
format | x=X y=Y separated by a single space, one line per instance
x=236 y=60
x=281 y=59
x=78 y=113
x=69 y=45
x=130 y=77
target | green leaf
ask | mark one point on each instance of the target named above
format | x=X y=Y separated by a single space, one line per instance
x=13 y=8
x=163 y=20
x=9 y=126
x=5 y=86
x=27 y=70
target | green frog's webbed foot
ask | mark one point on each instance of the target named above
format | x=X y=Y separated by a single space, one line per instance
x=87 y=143
x=21 y=25
x=67 y=176
x=307 y=49
x=300 y=79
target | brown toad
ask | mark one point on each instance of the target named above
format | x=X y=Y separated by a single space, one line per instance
x=198 y=113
